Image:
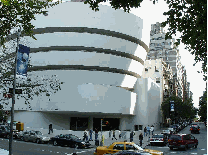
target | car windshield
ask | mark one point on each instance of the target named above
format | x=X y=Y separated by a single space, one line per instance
x=74 y=137
x=38 y=133
x=157 y=136
x=166 y=131
x=175 y=137
x=138 y=147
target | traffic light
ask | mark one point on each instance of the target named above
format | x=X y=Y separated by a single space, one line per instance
x=107 y=123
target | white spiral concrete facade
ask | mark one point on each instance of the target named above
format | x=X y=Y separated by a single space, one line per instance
x=107 y=46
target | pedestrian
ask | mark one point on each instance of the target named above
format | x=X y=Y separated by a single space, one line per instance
x=131 y=136
x=152 y=129
x=85 y=135
x=96 y=134
x=140 y=139
x=50 y=128
x=90 y=132
x=148 y=130
x=110 y=132
x=145 y=131
x=114 y=135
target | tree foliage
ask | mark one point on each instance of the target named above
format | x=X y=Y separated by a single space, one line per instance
x=182 y=110
x=188 y=17
x=14 y=13
x=33 y=85
x=203 y=106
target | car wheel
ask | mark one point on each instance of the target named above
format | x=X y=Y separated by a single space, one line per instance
x=195 y=146
x=22 y=138
x=75 y=146
x=38 y=141
x=186 y=147
x=171 y=148
x=7 y=136
x=55 y=143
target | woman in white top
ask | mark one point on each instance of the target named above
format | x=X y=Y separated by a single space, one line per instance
x=152 y=129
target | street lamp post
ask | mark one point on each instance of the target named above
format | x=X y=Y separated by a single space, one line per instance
x=13 y=96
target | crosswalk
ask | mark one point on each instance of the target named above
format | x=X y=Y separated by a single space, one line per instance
x=4 y=152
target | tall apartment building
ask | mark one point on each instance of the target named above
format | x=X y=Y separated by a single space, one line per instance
x=165 y=49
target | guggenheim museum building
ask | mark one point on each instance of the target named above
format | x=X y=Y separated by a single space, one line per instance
x=99 y=56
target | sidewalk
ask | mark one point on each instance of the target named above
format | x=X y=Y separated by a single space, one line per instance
x=145 y=142
x=107 y=140
x=3 y=152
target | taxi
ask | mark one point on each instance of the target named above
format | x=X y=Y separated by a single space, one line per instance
x=118 y=146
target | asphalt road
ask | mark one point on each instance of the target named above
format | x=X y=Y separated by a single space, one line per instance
x=200 y=150
x=29 y=148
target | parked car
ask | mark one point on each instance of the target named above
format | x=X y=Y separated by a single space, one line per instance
x=131 y=152
x=21 y=134
x=120 y=146
x=36 y=137
x=158 y=139
x=183 y=141
x=166 y=132
x=194 y=128
x=205 y=123
x=70 y=140
x=4 y=131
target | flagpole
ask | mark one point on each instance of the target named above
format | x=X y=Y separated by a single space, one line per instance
x=13 y=96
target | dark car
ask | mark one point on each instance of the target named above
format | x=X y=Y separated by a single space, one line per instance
x=4 y=131
x=194 y=128
x=183 y=141
x=69 y=140
x=131 y=152
x=158 y=139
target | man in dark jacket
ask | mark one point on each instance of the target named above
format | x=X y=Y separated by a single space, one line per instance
x=140 y=138
x=50 y=128
x=131 y=136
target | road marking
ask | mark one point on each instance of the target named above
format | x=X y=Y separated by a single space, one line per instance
x=42 y=150
x=193 y=153
x=172 y=152
x=57 y=152
x=166 y=147
x=202 y=149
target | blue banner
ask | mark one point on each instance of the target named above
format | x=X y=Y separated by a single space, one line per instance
x=171 y=105
x=22 y=60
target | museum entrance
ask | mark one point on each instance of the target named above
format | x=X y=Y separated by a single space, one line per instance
x=79 y=123
x=107 y=124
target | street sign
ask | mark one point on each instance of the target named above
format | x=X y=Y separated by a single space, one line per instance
x=7 y=95
x=17 y=91
x=171 y=105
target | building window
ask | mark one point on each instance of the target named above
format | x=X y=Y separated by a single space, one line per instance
x=146 y=69
x=157 y=80
x=156 y=69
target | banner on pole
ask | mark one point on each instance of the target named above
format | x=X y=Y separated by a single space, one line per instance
x=22 y=60
x=171 y=105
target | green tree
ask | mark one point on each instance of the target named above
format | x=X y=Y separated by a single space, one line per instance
x=203 y=106
x=188 y=17
x=34 y=85
x=14 y=13
x=182 y=110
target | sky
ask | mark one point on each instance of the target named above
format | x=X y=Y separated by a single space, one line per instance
x=152 y=13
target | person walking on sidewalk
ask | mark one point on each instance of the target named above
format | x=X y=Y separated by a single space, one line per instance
x=50 y=129
x=152 y=129
x=145 y=130
x=96 y=134
x=110 y=132
x=131 y=136
x=140 y=139
x=148 y=130
x=85 y=135
x=114 y=135
x=90 y=132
